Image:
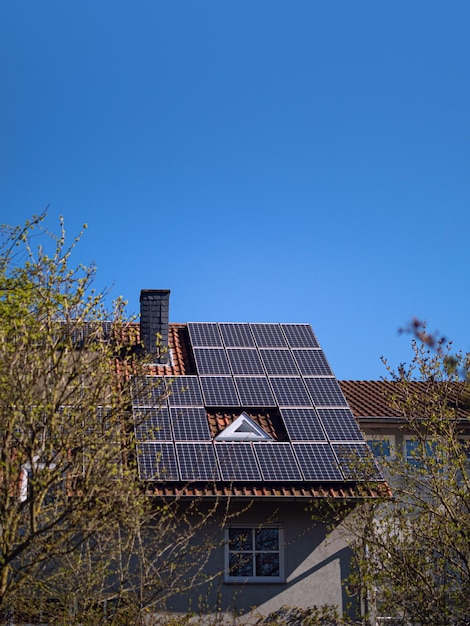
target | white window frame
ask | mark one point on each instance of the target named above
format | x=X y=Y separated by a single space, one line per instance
x=252 y=528
x=243 y=429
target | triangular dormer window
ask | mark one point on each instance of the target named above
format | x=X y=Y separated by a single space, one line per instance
x=243 y=429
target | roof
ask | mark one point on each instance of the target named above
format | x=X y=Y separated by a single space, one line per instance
x=374 y=398
x=280 y=380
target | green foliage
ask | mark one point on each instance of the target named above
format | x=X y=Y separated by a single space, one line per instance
x=80 y=540
x=413 y=552
x=313 y=616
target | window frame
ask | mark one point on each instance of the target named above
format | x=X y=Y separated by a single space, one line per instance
x=253 y=528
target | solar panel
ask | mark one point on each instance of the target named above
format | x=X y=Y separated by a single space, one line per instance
x=268 y=335
x=300 y=335
x=237 y=461
x=157 y=461
x=152 y=424
x=211 y=361
x=303 y=425
x=245 y=361
x=279 y=362
x=148 y=391
x=317 y=461
x=254 y=391
x=340 y=424
x=184 y=391
x=357 y=461
x=190 y=424
x=277 y=461
x=312 y=363
x=290 y=391
x=325 y=392
x=219 y=391
x=236 y=335
x=197 y=461
x=204 y=335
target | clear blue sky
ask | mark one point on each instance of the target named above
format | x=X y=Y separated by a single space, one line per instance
x=302 y=161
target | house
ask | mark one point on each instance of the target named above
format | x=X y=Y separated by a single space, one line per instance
x=251 y=417
x=383 y=423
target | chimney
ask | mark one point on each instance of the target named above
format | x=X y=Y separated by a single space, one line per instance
x=154 y=310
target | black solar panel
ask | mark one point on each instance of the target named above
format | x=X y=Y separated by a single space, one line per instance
x=152 y=424
x=245 y=361
x=325 y=392
x=237 y=461
x=197 y=461
x=211 y=361
x=303 y=425
x=184 y=391
x=236 y=335
x=252 y=365
x=279 y=362
x=254 y=391
x=317 y=461
x=219 y=391
x=157 y=461
x=148 y=391
x=300 y=335
x=277 y=461
x=340 y=424
x=312 y=363
x=357 y=461
x=290 y=391
x=268 y=335
x=204 y=335
x=190 y=424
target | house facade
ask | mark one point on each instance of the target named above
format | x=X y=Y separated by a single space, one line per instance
x=382 y=421
x=250 y=419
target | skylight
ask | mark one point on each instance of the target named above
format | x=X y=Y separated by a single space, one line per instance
x=243 y=429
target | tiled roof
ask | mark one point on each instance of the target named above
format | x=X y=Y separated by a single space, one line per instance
x=369 y=398
x=270 y=491
x=374 y=398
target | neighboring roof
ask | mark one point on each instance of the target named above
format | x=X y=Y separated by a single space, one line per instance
x=374 y=398
x=311 y=459
x=369 y=398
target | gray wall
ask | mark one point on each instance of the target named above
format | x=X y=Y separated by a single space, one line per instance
x=316 y=563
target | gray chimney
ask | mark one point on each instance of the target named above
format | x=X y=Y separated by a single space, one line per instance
x=154 y=311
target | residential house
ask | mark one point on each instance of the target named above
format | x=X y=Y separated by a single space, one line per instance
x=382 y=421
x=251 y=416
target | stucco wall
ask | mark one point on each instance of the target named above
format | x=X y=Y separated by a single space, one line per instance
x=315 y=565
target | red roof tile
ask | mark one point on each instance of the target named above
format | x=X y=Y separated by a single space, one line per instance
x=374 y=398
x=304 y=491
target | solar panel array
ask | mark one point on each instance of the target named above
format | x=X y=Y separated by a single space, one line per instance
x=242 y=367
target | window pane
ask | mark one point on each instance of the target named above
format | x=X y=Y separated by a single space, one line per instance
x=380 y=448
x=240 y=539
x=267 y=564
x=267 y=539
x=240 y=564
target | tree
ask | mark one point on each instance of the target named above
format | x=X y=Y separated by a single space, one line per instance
x=80 y=540
x=413 y=552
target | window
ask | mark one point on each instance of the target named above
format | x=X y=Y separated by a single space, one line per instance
x=254 y=554
x=382 y=446
x=243 y=429
x=416 y=451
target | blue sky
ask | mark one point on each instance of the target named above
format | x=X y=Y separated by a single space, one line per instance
x=268 y=161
